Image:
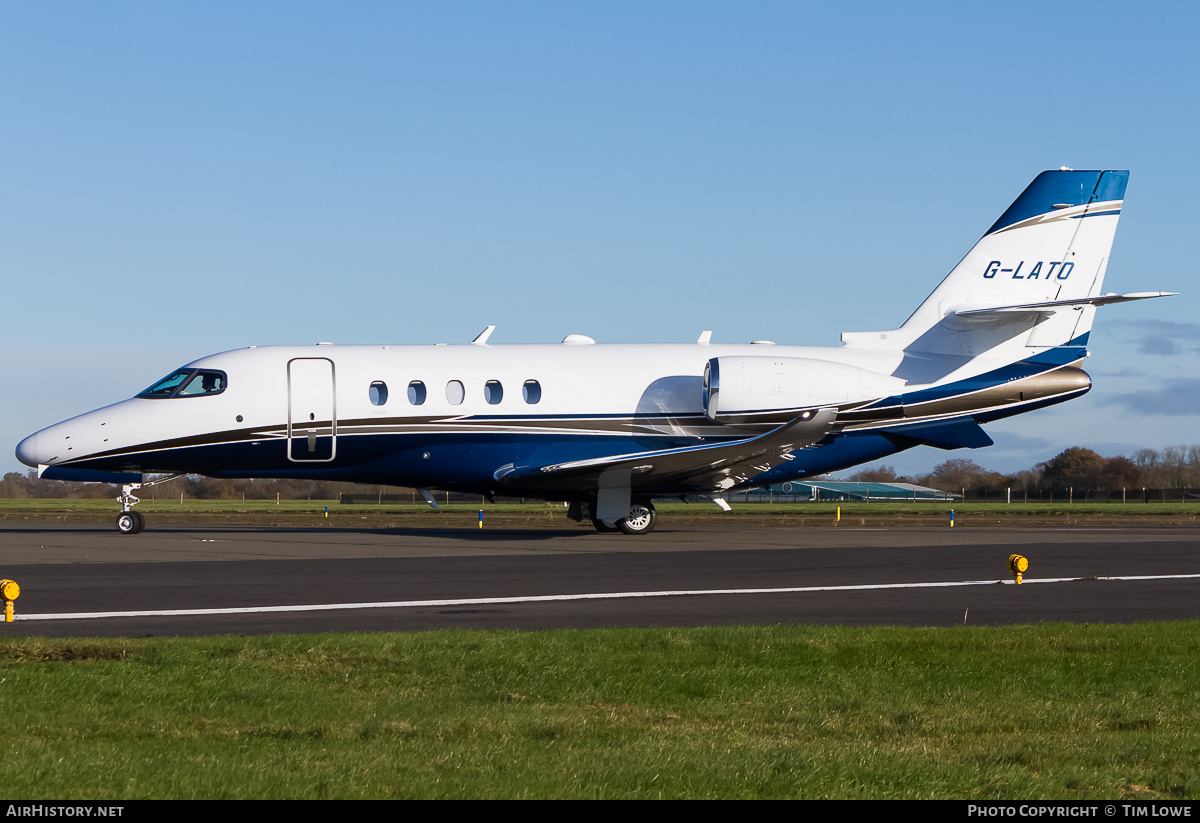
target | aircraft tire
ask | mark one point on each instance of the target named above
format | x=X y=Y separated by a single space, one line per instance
x=641 y=520
x=601 y=526
x=130 y=522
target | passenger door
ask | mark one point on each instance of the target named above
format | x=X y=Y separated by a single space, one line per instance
x=312 y=410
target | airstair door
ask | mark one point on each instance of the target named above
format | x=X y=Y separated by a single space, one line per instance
x=312 y=411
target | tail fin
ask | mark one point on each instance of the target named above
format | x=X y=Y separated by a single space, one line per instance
x=1050 y=246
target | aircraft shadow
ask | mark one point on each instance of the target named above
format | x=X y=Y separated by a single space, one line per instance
x=481 y=535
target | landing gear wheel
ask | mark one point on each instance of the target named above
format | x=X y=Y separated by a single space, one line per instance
x=130 y=522
x=641 y=519
x=601 y=526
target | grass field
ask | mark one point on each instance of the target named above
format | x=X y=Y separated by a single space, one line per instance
x=1045 y=712
x=553 y=515
x=1027 y=712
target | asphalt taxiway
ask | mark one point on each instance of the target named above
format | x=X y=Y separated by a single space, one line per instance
x=87 y=580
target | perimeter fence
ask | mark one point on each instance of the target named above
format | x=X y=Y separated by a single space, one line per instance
x=1068 y=495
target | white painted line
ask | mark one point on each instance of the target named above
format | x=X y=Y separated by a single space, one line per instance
x=547 y=598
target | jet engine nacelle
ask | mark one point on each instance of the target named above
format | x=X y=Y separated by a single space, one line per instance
x=750 y=389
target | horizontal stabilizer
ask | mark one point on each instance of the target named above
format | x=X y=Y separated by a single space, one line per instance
x=1056 y=305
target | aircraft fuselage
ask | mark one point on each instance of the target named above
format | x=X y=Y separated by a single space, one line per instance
x=450 y=417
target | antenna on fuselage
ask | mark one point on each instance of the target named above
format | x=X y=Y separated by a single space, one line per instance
x=482 y=338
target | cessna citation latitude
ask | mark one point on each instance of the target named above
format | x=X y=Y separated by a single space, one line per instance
x=611 y=427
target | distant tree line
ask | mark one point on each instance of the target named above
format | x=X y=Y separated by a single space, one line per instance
x=1078 y=471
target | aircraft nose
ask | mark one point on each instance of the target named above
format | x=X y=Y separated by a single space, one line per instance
x=27 y=451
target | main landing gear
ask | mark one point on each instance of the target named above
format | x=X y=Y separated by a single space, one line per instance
x=641 y=520
x=129 y=521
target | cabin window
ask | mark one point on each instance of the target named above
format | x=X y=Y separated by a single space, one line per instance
x=416 y=392
x=378 y=393
x=531 y=391
x=493 y=392
x=455 y=392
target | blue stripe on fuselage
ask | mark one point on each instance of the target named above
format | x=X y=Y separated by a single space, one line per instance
x=1039 y=363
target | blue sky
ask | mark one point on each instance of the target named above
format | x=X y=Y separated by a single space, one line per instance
x=184 y=178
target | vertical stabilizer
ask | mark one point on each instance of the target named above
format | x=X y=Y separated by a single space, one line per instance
x=1051 y=244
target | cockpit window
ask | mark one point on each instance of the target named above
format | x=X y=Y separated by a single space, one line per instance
x=188 y=383
x=204 y=382
x=167 y=386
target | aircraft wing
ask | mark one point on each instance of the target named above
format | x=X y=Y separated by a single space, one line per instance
x=698 y=469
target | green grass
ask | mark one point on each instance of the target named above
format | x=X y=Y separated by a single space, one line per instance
x=542 y=515
x=1050 y=711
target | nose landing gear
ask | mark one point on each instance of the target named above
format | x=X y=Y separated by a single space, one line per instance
x=129 y=521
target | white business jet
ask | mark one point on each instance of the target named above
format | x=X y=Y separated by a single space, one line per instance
x=611 y=427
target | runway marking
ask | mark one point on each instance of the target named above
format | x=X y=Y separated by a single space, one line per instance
x=547 y=598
